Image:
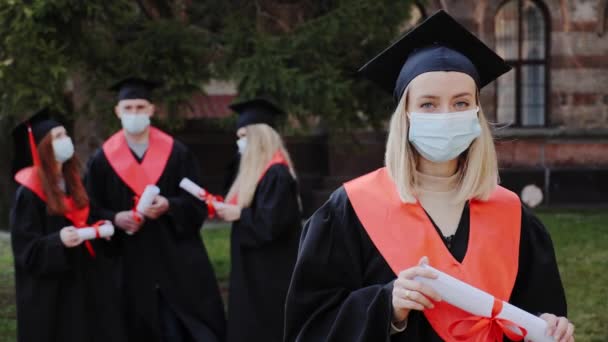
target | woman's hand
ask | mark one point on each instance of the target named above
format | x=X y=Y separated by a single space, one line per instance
x=69 y=236
x=229 y=212
x=409 y=294
x=559 y=327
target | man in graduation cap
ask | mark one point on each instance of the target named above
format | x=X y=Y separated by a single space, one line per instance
x=436 y=201
x=171 y=289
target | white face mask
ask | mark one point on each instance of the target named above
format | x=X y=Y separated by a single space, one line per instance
x=242 y=144
x=443 y=137
x=63 y=149
x=134 y=123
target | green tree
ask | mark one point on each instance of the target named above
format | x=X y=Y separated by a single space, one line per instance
x=305 y=54
x=65 y=53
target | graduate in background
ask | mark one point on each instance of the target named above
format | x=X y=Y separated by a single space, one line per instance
x=67 y=290
x=436 y=201
x=265 y=211
x=170 y=287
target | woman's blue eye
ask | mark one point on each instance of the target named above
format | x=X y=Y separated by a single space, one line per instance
x=427 y=105
x=462 y=104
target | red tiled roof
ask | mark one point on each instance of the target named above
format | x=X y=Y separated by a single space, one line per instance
x=210 y=106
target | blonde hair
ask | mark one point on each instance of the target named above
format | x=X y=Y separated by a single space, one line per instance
x=478 y=166
x=262 y=144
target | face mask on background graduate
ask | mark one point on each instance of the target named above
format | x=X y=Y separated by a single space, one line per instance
x=135 y=115
x=63 y=148
x=241 y=141
x=134 y=106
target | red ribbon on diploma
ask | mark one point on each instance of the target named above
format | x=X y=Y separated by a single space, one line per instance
x=136 y=216
x=209 y=199
x=488 y=329
x=87 y=243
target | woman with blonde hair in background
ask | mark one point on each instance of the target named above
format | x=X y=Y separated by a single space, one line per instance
x=263 y=204
x=436 y=201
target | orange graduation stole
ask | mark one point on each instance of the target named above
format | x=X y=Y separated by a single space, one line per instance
x=277 y=158
x=135 y=175
x=28 y=177
x=403 y=234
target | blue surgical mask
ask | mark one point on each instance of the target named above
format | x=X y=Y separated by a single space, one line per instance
x=440 y=137
x=134 y=123
x=242 y=144
x=63 y=149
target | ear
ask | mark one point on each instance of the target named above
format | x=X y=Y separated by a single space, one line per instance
x=152 y=110
x=117 y=111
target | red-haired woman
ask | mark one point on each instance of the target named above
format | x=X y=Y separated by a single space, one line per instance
x=66 y=290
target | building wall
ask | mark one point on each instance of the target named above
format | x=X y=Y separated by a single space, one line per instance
x=578 y=60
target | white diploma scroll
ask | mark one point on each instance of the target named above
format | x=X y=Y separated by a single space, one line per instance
x=192 y=188
x=90 y=233
x=146 y=199
x=196 y=191
x=479 y=303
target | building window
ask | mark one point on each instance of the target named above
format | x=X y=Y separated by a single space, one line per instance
x=522 y=39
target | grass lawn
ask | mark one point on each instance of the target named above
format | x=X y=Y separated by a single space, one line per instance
x=580 y=238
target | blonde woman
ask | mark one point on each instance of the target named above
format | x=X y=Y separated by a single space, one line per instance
x=436 y=201
x=263 y=204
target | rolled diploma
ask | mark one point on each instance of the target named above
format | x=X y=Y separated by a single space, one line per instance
x=196 y=191
x=479 y=303
x=89 y=233
x=192 y=188
x=147 y=198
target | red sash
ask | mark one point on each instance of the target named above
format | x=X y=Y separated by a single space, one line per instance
x=135 y=175
x=403 y=234
x=28 y=177
x=277 y=158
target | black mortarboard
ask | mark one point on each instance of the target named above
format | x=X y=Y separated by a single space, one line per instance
x=132 y=88
x=439 y=43
x=26 y=141
x=256 y=111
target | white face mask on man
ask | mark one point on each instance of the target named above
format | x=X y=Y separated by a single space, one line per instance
x=134 y=123
x=440 y=137
x=63 y=148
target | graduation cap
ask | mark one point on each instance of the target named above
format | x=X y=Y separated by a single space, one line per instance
x=439 y=43
x=27 y=135
x=256 y=111
x=132 y=88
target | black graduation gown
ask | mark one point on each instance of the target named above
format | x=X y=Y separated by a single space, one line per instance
x=342 y=287
x=264 y=248
x=166 y=255
x=63 y=294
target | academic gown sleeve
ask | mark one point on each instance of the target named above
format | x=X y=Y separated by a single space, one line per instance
x=274 y=208
x=538 y=288
x=35 y=251
x=186 y=213
x=328 y=299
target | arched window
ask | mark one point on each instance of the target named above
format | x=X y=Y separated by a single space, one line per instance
x=522 y=39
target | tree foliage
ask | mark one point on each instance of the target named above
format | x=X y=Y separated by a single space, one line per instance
x=65 y=53
x=305 y=55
